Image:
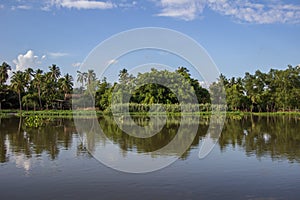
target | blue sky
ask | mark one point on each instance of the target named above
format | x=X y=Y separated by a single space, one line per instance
x=240 y=36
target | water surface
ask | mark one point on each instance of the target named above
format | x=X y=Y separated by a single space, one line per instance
x=255 y=158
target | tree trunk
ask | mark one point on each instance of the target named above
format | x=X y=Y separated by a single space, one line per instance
x=40 y=101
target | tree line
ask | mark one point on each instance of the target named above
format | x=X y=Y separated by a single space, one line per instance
x=33 y=89
x=277 y=90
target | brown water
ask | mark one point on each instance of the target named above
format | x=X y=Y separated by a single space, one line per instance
x=255 y=158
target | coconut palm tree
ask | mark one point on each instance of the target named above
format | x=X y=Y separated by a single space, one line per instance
x=81 y=77
x=4 y=72
x=66 y=84
x=3 y=78
x=37 y=83
x=29 y=73
x=91 y=76
x=18 y=83
x=54 y=72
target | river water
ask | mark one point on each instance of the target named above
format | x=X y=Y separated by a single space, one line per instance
x=254 y=158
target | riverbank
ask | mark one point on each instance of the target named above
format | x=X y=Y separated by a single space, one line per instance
x=80 y=113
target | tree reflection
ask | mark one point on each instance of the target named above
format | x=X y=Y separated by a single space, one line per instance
x=34 y=141
x=274 y=136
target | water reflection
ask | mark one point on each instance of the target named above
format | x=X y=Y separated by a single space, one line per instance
x=20 y=144
x=275 y=137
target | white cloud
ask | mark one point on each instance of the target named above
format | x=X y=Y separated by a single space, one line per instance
x=1 y=6
x=23 y=62
x=182 y=9
x=76 y=64
x=243 y=11
x=126 y=5
x=249 y=11
x=27 y=60
x=22 y=7
x=83 y=4
x=257 y=13
x=57 y=54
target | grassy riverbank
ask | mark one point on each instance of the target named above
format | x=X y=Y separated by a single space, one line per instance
x=71 y=113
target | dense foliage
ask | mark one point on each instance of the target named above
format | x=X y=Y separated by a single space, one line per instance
x=277 y=90
x=33 y=90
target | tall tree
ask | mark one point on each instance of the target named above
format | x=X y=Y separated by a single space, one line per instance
x=4 y=68
x=18 y=83
x=81 y=77
x=29 y=73
x=218 y=91
x=66 y=84
x=37 y=83
x=91 y=77
x=123 y=76
x=54 y=72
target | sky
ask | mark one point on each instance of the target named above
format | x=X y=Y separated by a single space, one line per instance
x=239 y=35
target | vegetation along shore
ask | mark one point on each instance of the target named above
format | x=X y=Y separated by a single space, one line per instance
x=49 y=93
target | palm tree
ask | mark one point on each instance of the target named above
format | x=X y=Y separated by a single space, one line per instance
x=91 y=76
x=29 y=73
x=66 y=84
x=37 y=82
x=3 y=78
x=123 y=76
x=81 y=77
x=18 y=83
x=54 y=72
x=4 y=72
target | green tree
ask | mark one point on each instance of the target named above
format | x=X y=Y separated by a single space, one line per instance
x=50 y=90
x=81 y=77
x=91 y=77
x=18 y=84
x=4 y=68
x=201 y=93
x=66 y=84
x=235 y=94
x=103 y=95
x=54 y=72
x=218 y=92
x=37 y=83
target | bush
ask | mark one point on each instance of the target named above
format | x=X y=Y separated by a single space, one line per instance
x=34 y=121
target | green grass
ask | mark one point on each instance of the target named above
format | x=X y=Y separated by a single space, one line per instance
x=272 y=113
x=50 y=113
x=82 y=113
